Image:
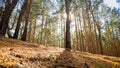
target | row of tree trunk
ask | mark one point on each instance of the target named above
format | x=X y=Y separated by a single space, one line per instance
x=23 y=13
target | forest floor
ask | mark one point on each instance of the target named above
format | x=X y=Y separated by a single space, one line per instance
x=19 y=54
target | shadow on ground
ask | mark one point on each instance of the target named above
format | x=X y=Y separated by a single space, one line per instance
x=67 y=60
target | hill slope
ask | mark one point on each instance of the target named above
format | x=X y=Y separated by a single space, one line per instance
x=19 y=54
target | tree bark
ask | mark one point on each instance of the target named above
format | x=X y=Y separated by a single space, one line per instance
x=20 y=19
x=6 y=16
x=68 y=39
x=24 y=36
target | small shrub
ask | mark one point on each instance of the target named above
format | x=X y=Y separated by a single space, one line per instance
x=100 y=65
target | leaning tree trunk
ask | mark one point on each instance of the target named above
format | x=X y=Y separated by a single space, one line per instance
x=20 y=19
x=6 y=16
x=67 y=38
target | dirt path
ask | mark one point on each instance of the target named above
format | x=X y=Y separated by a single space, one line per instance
x=19 y=54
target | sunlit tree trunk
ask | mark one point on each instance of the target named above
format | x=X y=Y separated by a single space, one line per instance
x=89 y=27
x=62 y=30
x=34 y=30
x=85 y=32
x=81 y=38
x=41 y=39
x=98 y=27
x=64 y=33
x=96 y=41
x=30 y=30
x=76 y=28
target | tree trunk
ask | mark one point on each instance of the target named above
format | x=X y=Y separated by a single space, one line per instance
x=68 y=39
x=80 y=33
x=6 y=16
x=30 y=30
x=76 y=28
x=34 y=30
x=24 y=36
x=41 y=39
x=98 y=28
x=20 y=19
